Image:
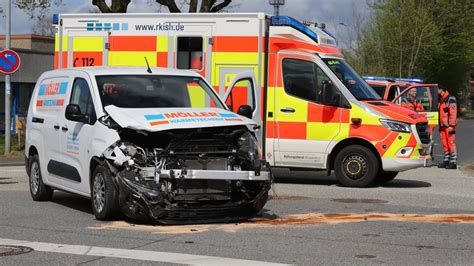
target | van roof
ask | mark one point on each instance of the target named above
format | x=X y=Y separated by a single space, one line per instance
x=122 y=70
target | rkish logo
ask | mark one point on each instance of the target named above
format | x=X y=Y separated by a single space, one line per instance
x=189 y=117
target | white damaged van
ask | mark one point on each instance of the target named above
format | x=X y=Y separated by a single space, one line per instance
x=155 y=144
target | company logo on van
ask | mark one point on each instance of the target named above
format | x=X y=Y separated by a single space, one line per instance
x=48 y=92
x=101 y=26
x=189 y=117
x=53 y=88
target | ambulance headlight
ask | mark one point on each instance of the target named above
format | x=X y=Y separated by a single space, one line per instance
x=396 y=126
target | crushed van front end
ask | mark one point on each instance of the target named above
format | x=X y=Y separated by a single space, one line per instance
x=191 y=175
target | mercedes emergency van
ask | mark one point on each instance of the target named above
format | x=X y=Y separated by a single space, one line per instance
x=316 y=112
x=155 y=144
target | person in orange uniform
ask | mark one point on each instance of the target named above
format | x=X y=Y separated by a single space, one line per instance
x=447 y=128
x=413 y=103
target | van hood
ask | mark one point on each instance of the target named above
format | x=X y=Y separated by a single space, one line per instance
x=159 y=119
x=396 y=112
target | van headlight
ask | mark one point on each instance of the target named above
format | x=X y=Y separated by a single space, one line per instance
x=396 y=126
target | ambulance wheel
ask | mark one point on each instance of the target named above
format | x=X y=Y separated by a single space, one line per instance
x=356 y=166
x=38 y=190
x=104 y=195
x=385 y=177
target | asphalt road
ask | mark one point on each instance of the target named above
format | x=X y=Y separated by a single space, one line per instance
x=425 y=216
x=465 y=142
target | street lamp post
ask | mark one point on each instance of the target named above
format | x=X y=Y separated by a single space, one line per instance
x=276 y=5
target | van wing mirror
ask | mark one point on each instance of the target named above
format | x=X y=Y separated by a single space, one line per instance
x=245 y=110
x=73 y=113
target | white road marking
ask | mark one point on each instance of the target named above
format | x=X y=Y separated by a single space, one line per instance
x=146 y=255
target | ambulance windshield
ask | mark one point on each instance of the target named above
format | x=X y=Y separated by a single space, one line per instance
x=353 y=82
x=155 y=91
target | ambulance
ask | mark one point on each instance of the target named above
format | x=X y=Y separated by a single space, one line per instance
x=402 y=91
x=315 y=111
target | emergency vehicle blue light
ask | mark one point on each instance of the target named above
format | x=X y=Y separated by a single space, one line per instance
x=55 y=19
x=409 y=80
x=291 y=22
x=414 y=80
x=328 y=33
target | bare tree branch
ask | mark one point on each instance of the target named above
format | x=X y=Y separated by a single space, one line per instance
x=221 y=6
x=193 y=6
x=170 y=4
x=102 y=5
x=118 y=6
x=205 y=6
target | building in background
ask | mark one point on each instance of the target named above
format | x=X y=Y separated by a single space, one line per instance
x=37 y=55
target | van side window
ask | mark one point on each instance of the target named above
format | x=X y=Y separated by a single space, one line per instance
x=81 y=96
x=303 y=79
x=190 y=52
x=392 y=93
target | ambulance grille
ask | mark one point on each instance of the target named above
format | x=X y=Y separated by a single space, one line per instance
x=423 y=131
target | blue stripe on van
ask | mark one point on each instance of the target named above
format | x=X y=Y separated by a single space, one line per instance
x=62 y=88
x=154 y=117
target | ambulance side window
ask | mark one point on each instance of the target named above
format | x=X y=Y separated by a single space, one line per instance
x=304 y=79
x=81 y=96
x=190 y=53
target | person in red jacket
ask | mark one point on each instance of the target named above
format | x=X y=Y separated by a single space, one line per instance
x=411 y=101
x=447 y=128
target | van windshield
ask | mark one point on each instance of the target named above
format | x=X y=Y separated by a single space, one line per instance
x=155 y=91
x=353 y=82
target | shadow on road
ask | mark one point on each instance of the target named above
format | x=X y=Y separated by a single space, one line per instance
x=72 y=201
x=403 y=183
x=320 y=178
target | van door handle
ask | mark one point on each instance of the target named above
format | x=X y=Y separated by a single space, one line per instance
x=37 y=120
x=56 y=127
x=64 y=128
x=288 y=110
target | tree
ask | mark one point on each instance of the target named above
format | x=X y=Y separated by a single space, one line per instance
x=35 y=8
x=43 y=26
x=207 y=6
x=431 y=39
x=399 y=37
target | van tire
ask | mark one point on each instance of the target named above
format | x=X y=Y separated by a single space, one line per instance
x=38 y=190
x=104 y=195
x=356 y=166
x=386 y=176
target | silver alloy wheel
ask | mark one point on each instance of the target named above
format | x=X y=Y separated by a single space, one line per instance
x=98 y=192
x=34 y=177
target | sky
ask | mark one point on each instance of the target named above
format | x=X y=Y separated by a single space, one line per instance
x=330 y=12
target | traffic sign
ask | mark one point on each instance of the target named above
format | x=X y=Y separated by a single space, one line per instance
x=9 y=61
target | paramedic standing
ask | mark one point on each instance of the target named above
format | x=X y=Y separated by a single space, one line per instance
x=447 y=128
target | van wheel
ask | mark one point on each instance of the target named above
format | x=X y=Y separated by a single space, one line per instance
x=385 y=177
x=356 y=166
x=38 y=190
x=104 y=194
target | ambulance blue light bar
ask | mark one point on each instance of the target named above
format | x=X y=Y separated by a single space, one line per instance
x=414 y=80
x=55 y=19
x=291 y=22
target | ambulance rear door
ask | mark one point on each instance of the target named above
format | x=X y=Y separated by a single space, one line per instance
x=87 y=48
x=190 y=47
